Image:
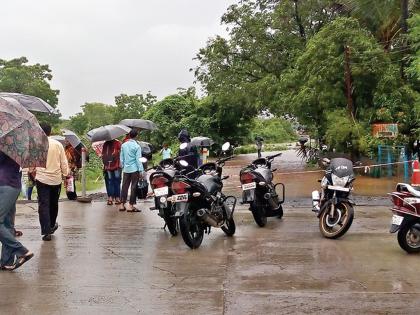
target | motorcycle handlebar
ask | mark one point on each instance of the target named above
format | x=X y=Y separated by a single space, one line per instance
x=271 y=157
x=225 y=159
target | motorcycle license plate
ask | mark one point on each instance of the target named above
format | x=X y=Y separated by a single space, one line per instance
x=249 y=186
x=397 y=220
x=180 y=198
x=163 y=191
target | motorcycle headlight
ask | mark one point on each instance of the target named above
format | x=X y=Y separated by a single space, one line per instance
x=340 y=181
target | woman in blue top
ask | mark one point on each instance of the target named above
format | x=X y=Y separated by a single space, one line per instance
x=132 y=169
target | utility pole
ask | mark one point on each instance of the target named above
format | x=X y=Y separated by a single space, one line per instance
x=348 y=81
x=404 y=28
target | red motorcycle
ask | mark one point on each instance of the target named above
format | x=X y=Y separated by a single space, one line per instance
x=406 y=216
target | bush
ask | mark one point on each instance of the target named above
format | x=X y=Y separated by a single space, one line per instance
x=274 y=130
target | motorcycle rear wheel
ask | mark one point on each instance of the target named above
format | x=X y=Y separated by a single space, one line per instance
x=258 y=212
x=408 y=240
x=171 y=223
x=191 y=231
x=347 y=215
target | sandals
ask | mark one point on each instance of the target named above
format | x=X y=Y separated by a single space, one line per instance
x=122 y=209
x=117 y=202
x=134 y=210
x=21 y=260
x=109 y=203
x=18 y=233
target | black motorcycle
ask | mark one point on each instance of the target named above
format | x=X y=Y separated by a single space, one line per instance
x=333 y=206
x=260 y=192
x=200 y=203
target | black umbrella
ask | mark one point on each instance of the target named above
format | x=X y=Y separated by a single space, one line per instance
x=202 y=141
x=31 y=103
x=71 y=137
x=108 y=132
x=139 y=124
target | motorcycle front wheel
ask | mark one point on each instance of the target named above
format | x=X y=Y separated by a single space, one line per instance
x=229 y=228
x=191 y=230
x=409 y=239
x=258 y=212
x=337 y=226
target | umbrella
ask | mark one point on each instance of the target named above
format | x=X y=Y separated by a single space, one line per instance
x=139 y=124
x=98 y=147
x=21 y=137
x=71 y=137
x=108 y=132
x=60 y=139
x=202 y=141
x=31 y=103
x=146 y=147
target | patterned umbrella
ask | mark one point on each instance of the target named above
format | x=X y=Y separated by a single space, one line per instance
x=31 y=103
x=21 y=137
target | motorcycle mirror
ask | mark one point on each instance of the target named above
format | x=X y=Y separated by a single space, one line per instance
x=143 y=160
x=183 y=146
x=326 y=161
x=324 y=147
x=226 y=146
x=183 y=163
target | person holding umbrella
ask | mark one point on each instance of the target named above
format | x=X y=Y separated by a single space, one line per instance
x=112 y=170
x=23 y=144
x=132 y=168
x=48 y=184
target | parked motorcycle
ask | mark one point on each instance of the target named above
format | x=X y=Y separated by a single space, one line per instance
x=161 y=181
x=406 y=216
x=260 y=191
x=200 y=203
x=333 y=205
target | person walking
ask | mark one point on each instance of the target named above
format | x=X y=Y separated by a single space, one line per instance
x=259 y=144
x=132 y=168
x=13 y=253
x=166 y=152
x=112 y=170
x=48 y=182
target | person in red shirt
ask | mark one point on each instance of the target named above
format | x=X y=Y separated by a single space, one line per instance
x=112 y=168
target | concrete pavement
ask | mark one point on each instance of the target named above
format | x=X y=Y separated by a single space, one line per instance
x=102 y=261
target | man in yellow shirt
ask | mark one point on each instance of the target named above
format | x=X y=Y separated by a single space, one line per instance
x=48 y=185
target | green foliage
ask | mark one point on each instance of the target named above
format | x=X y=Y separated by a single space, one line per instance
x=274 y=130
x=132 y=106
x=93 y=115
x=414 y=37
x=17 y=76
x=251 y=148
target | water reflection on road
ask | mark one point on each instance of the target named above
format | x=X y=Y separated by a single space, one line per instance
x=300 y=181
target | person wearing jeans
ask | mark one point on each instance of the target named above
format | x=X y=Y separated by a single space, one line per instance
x=48 y=185
x=112 y=170
x=13 y=253
x=132 y=170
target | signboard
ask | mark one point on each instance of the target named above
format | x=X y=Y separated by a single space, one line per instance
x=385 y=130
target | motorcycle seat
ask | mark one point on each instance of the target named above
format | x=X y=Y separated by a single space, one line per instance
x=211 y=183
x=414 y=190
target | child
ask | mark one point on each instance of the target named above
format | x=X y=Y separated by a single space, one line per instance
x=166 y=152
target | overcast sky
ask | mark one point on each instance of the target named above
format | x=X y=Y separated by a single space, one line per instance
x=98 y=49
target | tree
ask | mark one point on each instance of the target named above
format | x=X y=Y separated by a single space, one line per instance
x=93 y=115
x=19 y=77
x=132 y=106
x=414 y=38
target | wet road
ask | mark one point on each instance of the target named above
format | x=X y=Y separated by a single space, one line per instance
x=102 y=261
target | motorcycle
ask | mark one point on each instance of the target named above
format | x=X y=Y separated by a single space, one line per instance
x=160 y=182
x=333 y=205
x=406 y=216
x=259 y=191
x=200 y=203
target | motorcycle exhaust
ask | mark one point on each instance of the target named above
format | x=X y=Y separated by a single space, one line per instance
x=206 y=217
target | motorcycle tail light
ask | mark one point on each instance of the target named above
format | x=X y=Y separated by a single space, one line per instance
x=247 y=178
x=180 y=187
x=159 y=182
x=399 y=202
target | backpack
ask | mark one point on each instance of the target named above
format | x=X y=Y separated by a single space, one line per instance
x=108 y=156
